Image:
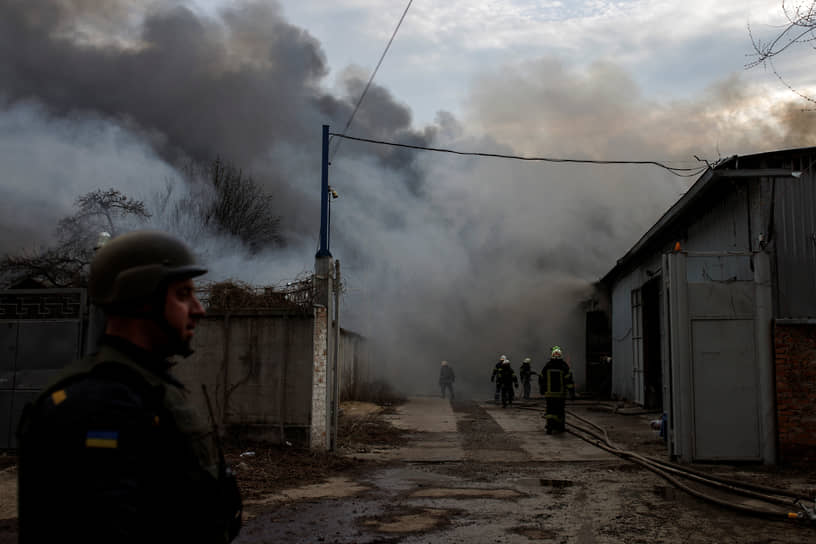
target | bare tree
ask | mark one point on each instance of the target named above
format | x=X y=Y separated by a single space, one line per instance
x=231 y=203
x=66 y=264
x=800 y=29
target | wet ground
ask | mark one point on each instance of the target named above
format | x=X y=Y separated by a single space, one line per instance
x=475 y=472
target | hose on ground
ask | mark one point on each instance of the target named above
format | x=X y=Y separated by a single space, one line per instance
x=666 y=470
x=677 y=483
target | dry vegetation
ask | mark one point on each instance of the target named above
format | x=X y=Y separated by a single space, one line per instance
x=232 y=295
x=273 y=468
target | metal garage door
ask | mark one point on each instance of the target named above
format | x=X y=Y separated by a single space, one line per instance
x=40 y=333
x=715 y=396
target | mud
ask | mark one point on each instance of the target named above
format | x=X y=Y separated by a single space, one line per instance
x=472 y=472
x=512 y=484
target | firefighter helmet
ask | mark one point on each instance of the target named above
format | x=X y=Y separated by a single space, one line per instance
x=527 y=360
x=556 y=352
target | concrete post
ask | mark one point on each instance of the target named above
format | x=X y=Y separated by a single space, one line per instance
x=320 y=426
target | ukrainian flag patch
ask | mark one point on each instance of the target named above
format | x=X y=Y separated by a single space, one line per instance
x=102 y=439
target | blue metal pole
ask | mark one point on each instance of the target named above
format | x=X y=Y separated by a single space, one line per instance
x=324 y=198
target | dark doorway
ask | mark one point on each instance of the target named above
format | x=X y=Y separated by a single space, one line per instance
x=598 y=353
x=652 y=363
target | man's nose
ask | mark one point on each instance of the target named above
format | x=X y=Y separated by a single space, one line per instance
x=197 y=309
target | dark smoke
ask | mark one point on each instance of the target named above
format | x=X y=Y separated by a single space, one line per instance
x=240 y=86
x=444 y=257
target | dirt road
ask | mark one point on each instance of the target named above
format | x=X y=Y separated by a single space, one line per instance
x=473 y=472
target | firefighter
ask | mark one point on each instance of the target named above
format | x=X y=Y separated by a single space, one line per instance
x=446 y=379
x=507 y=379
x=526 y=373
x=555 y=382
x=494 y=377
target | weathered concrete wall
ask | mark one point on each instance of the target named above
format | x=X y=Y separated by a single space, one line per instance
x=258 y=372
x=354 y=365
x=795 y=354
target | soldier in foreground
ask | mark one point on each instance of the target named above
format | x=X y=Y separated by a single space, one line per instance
x=555 y=382
x=112 y=451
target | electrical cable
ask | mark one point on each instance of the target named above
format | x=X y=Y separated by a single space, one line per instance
x=677 y=171
x=370 y=80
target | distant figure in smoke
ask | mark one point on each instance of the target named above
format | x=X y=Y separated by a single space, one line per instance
x=526 y=373
x=507 y=379
x=556 y=382
x=446 y=379
x=495 y=378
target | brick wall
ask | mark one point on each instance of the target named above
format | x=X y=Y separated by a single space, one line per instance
x=795 y=354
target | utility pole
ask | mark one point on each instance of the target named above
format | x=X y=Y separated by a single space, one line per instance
x=322 y=380
x=324 y=198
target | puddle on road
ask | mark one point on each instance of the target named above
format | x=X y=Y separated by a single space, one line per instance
x=664 y=492
x=556 y=484
x=333 y=488
x=466 y=493
x=417 y=520
x=535 y=533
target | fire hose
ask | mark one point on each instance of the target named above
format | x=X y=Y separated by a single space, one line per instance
x=795 y=504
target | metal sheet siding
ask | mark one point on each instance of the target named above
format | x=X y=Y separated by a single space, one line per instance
x=622 y=358
x=795 y=231
x=723 y=226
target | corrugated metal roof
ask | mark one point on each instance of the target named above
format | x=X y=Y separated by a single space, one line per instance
x=727 y=168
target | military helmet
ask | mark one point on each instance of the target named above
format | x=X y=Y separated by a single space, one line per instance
x=134 y=266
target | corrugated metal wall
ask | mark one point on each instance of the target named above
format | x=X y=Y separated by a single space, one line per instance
x=724 y=225
x=623 y=344
x=795 y=232
x=622 y=358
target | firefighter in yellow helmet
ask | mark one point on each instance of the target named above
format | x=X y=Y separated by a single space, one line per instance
x=555 y=382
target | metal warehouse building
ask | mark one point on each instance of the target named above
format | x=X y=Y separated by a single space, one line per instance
x=711 y=316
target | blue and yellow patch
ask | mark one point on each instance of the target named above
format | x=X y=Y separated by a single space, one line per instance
x=102 y=439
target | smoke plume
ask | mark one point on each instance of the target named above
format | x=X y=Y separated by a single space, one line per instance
x=444 y=257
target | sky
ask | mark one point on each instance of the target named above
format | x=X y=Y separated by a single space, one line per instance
x=672 y=50
x=443 y=257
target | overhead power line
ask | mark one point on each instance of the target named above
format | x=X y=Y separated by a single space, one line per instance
x=371 y=79
x=682 y=172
